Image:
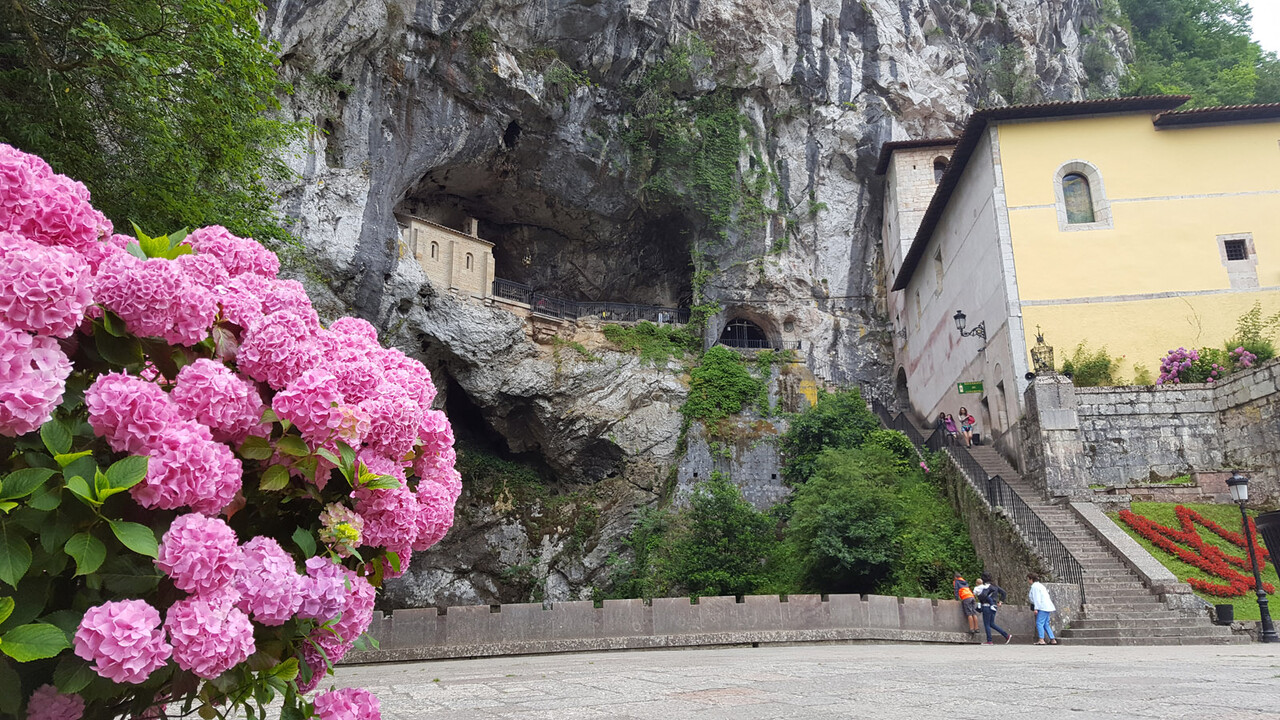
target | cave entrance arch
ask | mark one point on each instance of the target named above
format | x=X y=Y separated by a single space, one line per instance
x=900 y=394
x=740 y=333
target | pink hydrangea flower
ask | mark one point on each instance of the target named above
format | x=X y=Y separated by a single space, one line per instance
x=123 y=640
x=269 y=584
x=324 y=590
x=129 y=412
x=204 y=270
x=210 y=635
x=390 y=518
x=188 y=469
x=47 y=703
x=380 y=464
x=238 y=255
x=356 y=614
x=409 y=374
x=46 y=290
x=33 y=374
x=348 y=704
x=357 y=374
x=200 y=554
x=48 y=208
x=394 y=420
x=156 y=299
x=240 y=300
x=435 y=508
x=291 y=296
x=22 y=176
x=278 y=349
x=312 y=403
x=211 y=394
x=356 y=329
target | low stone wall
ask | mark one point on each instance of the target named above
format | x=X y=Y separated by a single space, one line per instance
x=485 y=630
x=1118 y=436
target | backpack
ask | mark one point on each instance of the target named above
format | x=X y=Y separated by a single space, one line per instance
x=988 y=596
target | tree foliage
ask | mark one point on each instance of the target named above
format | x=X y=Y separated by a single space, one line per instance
x=160 y=108
x=721 y=386
x=1200 y=48
x=723 y=543
x=838 y=420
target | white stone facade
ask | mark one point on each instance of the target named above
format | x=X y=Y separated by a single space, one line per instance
x=454 y=261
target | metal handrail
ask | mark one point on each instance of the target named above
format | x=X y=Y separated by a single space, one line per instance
x=754 y=344
x=998 y=495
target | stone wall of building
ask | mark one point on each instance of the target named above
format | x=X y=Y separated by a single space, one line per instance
x=488 y=630
x=1132 y=434
x=454 y=261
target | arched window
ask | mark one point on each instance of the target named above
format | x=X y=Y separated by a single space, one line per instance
x=939 y=167
x=1078 y=198
x=435 y=250
x=1081 y=197
x=743 y=334
x=468 y=261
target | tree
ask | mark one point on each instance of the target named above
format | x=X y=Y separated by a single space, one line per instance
x=160 y=108
x=721 y=544
x=1201 y=48
x=838 y=420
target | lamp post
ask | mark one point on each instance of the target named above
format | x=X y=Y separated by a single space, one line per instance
x=1239 y=487
x=980 y=329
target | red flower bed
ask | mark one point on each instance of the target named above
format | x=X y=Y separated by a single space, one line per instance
x=1202 y=555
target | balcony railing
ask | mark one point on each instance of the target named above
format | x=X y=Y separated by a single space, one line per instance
x=757 y=344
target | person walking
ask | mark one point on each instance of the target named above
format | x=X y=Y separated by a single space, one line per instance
x=966 y=426
x=949 y=424
x=967 y=604
x=1040 y=601
x=990 y=597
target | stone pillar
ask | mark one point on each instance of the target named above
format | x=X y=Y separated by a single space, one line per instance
x=1051 y=438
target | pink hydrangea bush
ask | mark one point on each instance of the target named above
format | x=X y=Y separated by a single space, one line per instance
x=229 y=478
x=1206 y=365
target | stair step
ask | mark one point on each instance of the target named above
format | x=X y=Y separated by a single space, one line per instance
x=1187 y=640
x=1146 y=632
x=1175 y=622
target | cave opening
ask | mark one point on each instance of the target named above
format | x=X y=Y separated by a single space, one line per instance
x=474 y=435
x=742 y=333
x=511 y=135
x=587 y=249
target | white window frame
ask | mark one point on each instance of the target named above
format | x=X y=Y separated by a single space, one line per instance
x=1097 y=192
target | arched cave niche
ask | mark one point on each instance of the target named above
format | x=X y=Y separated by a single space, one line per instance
x=592 y=248
x=900 y=395
x=742 y=333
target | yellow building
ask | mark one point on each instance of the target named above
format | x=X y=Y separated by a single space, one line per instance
x=1121 y=223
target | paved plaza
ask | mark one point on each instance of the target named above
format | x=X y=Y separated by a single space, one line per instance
x=916 y=682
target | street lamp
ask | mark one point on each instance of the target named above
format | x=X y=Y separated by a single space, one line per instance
x=980 y=329
x=1239 y=487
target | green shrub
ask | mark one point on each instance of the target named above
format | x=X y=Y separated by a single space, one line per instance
x=653 y=343
x=898 y=445
x=837 y=420
x=844 y=521
x=1142 y=375
x=721 y=544
x=639 y=575
x=720 y=386
x=1255 y=334
x=1091 y=368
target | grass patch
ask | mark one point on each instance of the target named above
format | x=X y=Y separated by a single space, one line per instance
x=1228 y=516
x=653 y=343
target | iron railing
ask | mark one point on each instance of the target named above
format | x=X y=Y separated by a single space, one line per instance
x=757 y=344
x=997 y=493
x=607 y=311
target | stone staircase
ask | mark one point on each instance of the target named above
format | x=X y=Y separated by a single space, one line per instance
x=1118 y=609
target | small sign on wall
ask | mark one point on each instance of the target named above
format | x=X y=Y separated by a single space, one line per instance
x=969 y=387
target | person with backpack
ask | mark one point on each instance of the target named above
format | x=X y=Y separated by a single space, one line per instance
x=990 y=597
x=967 y=603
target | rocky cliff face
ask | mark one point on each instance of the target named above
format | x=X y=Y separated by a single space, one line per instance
x=650 y=151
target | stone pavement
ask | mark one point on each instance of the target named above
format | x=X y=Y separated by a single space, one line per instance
x=880 y=682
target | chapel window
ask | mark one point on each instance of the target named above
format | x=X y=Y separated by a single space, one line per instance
x=468 y=261
x=1077 y=198
x=939 y=167
x=435 y=250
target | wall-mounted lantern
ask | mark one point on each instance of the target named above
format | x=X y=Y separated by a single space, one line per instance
x=980 y=329
x=1042 y=354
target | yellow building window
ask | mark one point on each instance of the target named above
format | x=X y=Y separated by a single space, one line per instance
x=1078 y=198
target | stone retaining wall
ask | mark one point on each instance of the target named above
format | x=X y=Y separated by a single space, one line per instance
x=485 y=630
x=1116 y=436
